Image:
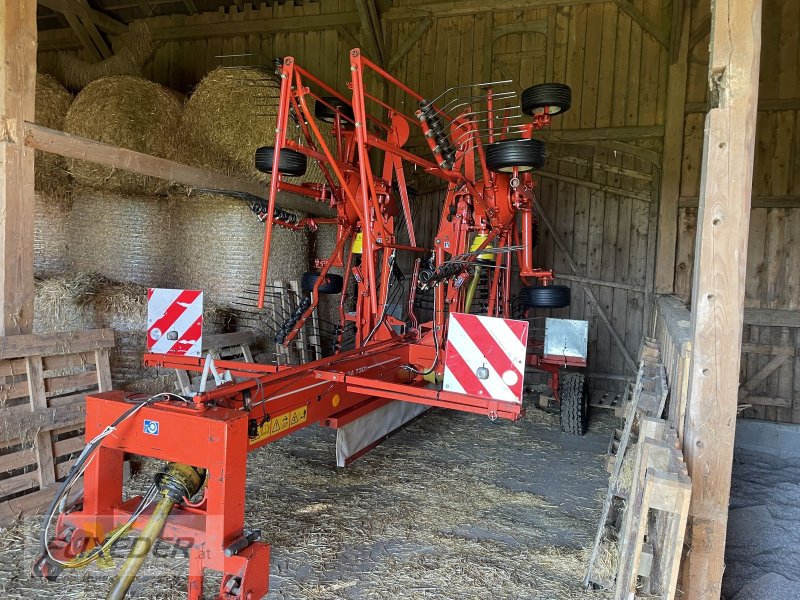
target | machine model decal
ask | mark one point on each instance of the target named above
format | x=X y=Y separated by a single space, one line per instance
x=174 y=321
x=151 y=427
x=486 y=356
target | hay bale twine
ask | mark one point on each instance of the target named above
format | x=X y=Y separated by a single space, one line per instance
x=52 y=105
x=51 y=233
x=220 y=248
x=129 y=112
x=126 y=238
x=230 y=114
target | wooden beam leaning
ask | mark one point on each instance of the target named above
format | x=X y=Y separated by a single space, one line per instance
x=671 y=161
x=103 y=21
x=371 y=25
x=416 y=35
x=64 y=144
x=543 y=218
x=17 y=98
x=719 y=281
x=645 y=22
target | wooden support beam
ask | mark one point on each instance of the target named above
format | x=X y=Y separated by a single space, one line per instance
x=83 y=35
x=755 y=202
x=17 y=98
x=100 y=19
x=645 y=22
x=419 y=31
x=70 y=146
x=635 y=132
x=672 y=161
x=699 y=34
x=764 y=105
x=576 y=270
x=719 y=282
x=371 y=26
x=459 y=8
x=769 y=317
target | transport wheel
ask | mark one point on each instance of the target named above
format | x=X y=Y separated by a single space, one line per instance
x=545 y=296
x=555 y=97
x=574 y=407
x=291 y=162
x=332 y=285
x=525 y=155
x=324 y=113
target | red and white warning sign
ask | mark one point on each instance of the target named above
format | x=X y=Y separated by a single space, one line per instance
x=485 y=356
x=175 y=321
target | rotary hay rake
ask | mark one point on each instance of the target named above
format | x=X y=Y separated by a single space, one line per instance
x=381 y=366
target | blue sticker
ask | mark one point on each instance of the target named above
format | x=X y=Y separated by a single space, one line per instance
x=151 y=427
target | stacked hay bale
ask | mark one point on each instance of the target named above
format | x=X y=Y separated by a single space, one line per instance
x=129 y=238
x=129 y=112
x=221 y=244
x=52 y=202
x=87 y=300
x=122 y=231
x=230 y=114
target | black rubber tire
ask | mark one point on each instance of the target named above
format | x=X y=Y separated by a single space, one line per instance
x=291 y=162
x=333 y=285
x=545 y=296
x=324 y=113
x=555 y=97
x=574 y=403
x=525 y=155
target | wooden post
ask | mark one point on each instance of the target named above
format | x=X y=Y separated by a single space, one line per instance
x=17 y=96
x=719 y=281
x=669 y=195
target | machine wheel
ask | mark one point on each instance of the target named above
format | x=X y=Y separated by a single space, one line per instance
x=291 y=163
x=545 y=296
x=323 y=113
x=574 y=403
x=555 y=97
x=332 y=285
x=525 y=155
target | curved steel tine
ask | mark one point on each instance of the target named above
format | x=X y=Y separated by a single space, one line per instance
x=469 y=85
x=500 y=96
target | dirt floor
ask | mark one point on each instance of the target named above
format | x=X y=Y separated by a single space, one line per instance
x=454 y=506
x=762 y=554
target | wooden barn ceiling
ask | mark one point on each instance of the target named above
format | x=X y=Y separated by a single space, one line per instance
x=57 y=14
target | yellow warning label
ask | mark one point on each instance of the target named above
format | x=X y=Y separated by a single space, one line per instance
x=280 y=424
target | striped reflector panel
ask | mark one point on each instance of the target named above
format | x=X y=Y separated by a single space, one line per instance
x=485 y=356
x=174 y=321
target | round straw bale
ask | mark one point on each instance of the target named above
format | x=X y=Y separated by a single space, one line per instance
x=230 y=114
x=51 y=233
x=52 y=104
x=129 y=112
x=124 y=238
x=221 y=243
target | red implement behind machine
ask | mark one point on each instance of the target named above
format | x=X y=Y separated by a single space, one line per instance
x=481 y=145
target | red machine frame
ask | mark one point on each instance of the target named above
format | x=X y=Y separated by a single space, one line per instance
x=215 y=430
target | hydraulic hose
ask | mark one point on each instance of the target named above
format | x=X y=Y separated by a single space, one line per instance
x=473 y=285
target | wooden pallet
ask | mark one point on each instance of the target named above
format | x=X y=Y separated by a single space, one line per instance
x=43 y=382
x=608 y=400
x=645 y=398
x=657 y=511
